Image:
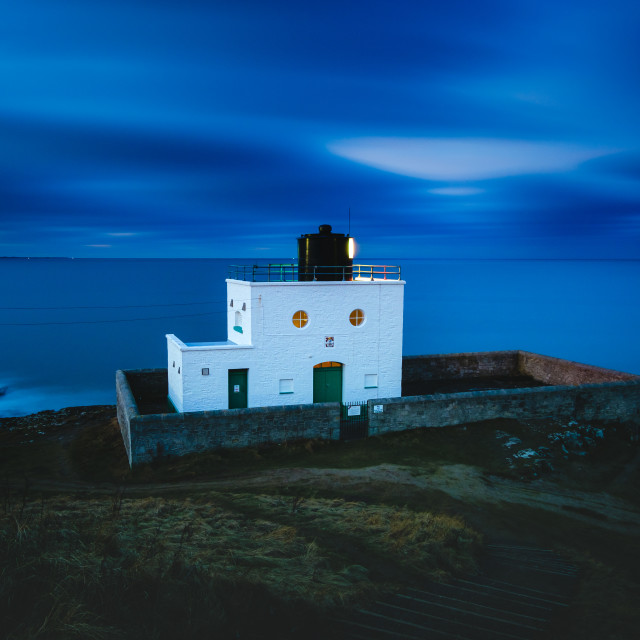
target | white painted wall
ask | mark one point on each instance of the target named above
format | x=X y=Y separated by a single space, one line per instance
x=241 y=295
x=273 y=349
x=174 y=367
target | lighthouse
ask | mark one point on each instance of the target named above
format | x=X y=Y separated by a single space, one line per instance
x=320 y=330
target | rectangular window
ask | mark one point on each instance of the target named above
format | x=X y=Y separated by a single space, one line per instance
x=286 y=385
x=205 y=371
x=370 y=380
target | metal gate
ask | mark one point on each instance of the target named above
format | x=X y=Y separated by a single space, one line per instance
x=354 y=420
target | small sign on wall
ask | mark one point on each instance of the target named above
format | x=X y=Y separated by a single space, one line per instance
x=329 y=341
x=353 y=410
x=236 y=388
x=378 y=408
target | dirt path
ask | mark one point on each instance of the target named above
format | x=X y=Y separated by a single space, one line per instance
x=461 y=482
x=469 y=484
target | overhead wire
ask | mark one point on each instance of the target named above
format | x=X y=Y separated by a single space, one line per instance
x=41 y=324
x=120 y=306
x=72 y=322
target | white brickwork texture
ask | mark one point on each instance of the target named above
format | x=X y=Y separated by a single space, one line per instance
x=273 y=349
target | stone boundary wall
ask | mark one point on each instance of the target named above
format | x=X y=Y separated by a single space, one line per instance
x=126 y=409
x=580 y=392
x=148 y=437
x=546 y=369
x=555 y=371
x=147 y=382
x=611 y=401
x=460 y=365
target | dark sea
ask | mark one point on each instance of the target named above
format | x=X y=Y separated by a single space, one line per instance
x=67 y=325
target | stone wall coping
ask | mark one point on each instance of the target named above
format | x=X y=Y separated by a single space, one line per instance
x=520 y=353
x=128 y=401
x=274 y=409
x=509 y=392
x=464 y=354
x=581 y=365
x=157 y=370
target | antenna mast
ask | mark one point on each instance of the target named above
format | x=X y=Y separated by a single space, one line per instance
x=349 y=222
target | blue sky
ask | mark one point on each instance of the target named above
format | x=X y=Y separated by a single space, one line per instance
x=226 y=129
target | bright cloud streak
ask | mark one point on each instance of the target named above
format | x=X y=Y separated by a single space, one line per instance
x=463 y=158
x=201 y=129
x=456 y=191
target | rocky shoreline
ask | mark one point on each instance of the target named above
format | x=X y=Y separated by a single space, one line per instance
x=60 y=424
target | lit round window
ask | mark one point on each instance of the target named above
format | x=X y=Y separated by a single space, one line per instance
x=356 y=317
x=300 y=319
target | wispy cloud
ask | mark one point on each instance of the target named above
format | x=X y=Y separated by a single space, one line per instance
x=463 y=159
x=456 y=191
x=470 y=122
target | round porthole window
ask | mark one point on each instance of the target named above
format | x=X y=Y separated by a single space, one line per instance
x=356 y=317
x=300 y=319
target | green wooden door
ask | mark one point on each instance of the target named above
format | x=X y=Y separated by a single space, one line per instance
x=237 y=388
x=327 y=383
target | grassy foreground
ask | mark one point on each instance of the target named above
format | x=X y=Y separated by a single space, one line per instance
x=188 y=548
x=114 y=567
x=125 y=560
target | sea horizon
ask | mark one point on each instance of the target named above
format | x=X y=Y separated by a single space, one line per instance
x=458 y=258
x=69 y=323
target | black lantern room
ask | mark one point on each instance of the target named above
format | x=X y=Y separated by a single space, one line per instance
x=324 y=255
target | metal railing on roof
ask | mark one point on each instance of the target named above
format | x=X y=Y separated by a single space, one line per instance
x=292 y=273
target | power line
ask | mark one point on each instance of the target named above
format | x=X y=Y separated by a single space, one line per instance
x=122 y=306
x=41 y=324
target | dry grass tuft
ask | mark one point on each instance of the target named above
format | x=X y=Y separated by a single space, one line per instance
x=117 y=567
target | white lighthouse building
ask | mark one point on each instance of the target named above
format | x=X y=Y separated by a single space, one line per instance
x=323 y=330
